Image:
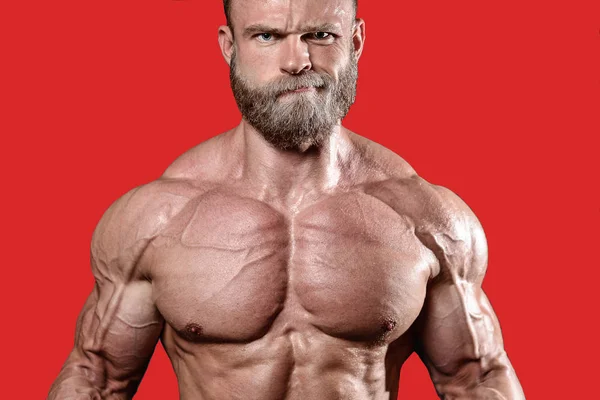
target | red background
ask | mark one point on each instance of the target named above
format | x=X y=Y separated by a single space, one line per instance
x=496 y=100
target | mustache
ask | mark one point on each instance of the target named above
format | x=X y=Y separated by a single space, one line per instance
x=289 y=83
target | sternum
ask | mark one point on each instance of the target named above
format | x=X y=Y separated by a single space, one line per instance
x=291 y=223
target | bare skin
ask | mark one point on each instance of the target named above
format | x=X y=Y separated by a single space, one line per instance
x=270 y=274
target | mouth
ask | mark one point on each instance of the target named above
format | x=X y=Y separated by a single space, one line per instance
x=306 y=89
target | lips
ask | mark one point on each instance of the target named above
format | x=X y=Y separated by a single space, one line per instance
x=299 y=90
x=303 y=89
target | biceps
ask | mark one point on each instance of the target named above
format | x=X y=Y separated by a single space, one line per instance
x=118 y=330
x=459 y=327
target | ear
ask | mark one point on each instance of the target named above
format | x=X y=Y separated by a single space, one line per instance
x=358 y=36
x=226 y=42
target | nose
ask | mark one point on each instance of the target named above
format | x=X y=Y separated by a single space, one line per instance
x=295 y=57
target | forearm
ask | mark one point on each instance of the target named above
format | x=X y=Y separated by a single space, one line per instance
x=75 y=387
x=72 y=386
x=79 y=379
x=500 y=383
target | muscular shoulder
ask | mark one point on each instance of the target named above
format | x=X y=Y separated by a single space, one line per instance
x=442 y=222
x=375 y=162
x=131 y=222
x=208 y=161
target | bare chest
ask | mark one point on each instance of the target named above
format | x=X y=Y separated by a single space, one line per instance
x=228 y=267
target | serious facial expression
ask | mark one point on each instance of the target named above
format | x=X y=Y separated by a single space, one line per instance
x=293 y=67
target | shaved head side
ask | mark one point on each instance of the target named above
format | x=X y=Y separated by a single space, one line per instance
x=227 y=8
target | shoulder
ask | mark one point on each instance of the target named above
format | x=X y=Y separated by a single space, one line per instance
x=142 y=212
x=376 y=161
x=208 y=161
x=454 y=233
x=442 y=221
x=140 y=215
x=134 y=220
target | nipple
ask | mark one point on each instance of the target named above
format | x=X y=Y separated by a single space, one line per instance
x=193 y=331
x=388 y=325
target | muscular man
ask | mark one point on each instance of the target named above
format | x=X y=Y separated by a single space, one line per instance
x=289 y=258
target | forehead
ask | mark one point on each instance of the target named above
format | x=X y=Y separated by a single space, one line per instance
x=291 y=14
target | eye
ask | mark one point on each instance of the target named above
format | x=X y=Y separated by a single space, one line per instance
x=265 y=37
x=321 y=35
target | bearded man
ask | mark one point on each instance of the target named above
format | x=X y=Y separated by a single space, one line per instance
x=289 y=258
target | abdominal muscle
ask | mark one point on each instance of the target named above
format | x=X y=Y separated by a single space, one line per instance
x=287 y=363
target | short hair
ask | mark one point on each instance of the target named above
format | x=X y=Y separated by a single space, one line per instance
x=227 y=7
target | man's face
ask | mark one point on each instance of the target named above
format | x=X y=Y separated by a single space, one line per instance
x=293 y=67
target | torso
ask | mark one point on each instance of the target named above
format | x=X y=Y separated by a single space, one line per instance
x=264 y=300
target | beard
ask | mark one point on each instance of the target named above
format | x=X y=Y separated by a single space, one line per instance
x=300 y=120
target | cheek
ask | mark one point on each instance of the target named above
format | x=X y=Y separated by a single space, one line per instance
x=257 y=66
x=330 y=60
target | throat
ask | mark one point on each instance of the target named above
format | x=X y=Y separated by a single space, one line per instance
x=281 y=172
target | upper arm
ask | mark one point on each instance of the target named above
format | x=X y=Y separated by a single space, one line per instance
x=116 y=334
x=119 y=326
x=459 y=336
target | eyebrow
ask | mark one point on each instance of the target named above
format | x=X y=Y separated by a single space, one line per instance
x=262 y=28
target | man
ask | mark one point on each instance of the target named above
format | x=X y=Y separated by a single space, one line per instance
x=289 y=258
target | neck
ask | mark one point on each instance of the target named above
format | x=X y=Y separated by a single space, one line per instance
x=291 y=173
